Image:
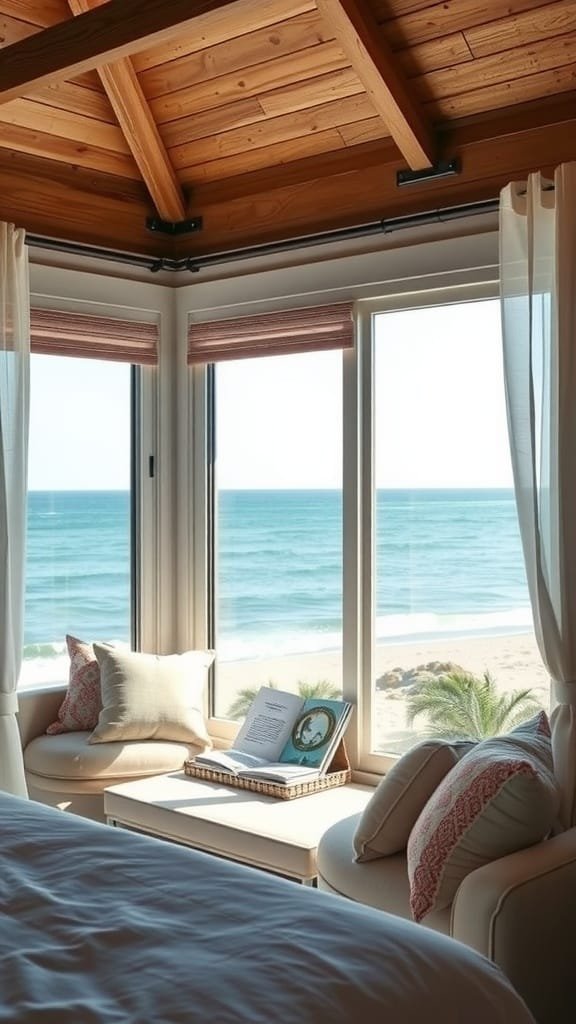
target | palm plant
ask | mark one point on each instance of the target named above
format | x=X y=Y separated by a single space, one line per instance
x=460 y=705
x=323 y=689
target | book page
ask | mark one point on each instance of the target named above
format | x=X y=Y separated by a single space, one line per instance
x=268 y=723
x=282 y=774
x=232 y=761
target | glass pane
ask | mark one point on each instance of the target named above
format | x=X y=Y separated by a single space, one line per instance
x=451 y=592
x=278 y=575
x=78 y=555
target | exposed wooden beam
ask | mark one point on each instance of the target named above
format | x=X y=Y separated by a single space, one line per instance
x=464 y=138
x=356 y=186
x=343 y=188
x=139 y=128
x=363 y=42
x=72 y=203
x=118 y=29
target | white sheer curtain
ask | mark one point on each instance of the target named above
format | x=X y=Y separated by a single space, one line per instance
x=14 y=402
x=538 y=292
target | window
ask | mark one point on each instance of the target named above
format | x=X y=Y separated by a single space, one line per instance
x=427 y=576
x=276 y=586
x=449 y=589
x=92 y=416
x=78 y=577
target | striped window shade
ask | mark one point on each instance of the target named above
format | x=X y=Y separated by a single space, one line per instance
x=57 y=333
x=311 y=329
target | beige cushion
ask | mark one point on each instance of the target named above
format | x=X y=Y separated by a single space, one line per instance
x=280 y=835
x=70 y=756
x=152 y=697
x=499 y=798
x=382 y=883
x=399 y=798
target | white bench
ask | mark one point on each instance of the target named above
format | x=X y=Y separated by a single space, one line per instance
x=281 y=836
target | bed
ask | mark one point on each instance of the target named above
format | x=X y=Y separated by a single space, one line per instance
x=103 y=926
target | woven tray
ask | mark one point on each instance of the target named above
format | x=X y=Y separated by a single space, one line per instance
x=337 y=775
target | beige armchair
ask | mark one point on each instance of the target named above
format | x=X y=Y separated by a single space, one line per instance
x=519 y=911
x=68 y=772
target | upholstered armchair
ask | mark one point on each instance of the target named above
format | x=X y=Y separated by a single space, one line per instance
x=454 y=836
x=519 y=911
x=68 y=772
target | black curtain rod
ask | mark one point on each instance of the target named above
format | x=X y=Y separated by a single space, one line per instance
x=194 y=264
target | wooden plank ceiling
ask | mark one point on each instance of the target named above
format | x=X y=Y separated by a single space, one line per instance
x=274 y=119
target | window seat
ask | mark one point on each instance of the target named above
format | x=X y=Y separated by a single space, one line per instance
x=68 y=772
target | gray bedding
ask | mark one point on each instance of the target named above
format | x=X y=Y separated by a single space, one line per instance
x=101 y=926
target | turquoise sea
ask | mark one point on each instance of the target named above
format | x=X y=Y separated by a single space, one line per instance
x=448 y=563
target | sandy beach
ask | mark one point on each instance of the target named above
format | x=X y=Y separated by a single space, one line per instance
x=513 y=661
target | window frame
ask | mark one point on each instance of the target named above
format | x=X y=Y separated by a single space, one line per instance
x=61 y=288
x=366 y=761
x=358 y=509
x=144 y=499
x=139 y=399
x=405 y=273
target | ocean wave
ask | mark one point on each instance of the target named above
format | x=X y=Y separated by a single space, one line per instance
x=389 y=629
x=423 y=625
x=49 y=661
x=54 y=649
x=46 y=650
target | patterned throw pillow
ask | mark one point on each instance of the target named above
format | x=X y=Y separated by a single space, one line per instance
x=501 y=797
x=392 y=811
x=82 y=704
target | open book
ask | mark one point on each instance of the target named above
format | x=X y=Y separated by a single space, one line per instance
x=284 y=738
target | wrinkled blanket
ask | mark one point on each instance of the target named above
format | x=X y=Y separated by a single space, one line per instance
x=102 y=926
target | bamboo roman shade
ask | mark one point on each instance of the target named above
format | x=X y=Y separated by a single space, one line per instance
x=272 y=334
x=57 y=333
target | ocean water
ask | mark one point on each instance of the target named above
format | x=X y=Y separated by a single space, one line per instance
x=77 y=575
x=448 y=563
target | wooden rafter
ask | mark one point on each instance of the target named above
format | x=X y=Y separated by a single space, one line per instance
x=334 y=190
x=139 y=129
x=362 y=40
x=118 y=29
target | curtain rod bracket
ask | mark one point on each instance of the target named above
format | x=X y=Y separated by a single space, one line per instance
x=443 y=169
x=174 y=227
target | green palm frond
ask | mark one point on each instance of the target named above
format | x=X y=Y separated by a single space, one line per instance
x=244 y=700
x=323 y=689
x=460 y=705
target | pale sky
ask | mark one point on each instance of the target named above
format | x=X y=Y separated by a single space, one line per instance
x=440 y=411
x=440 y=415
x=79 y=425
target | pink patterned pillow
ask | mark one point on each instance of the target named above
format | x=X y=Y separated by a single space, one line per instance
x=82 y=704
x=501 y=797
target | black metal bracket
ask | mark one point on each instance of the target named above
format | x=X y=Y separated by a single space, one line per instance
x=443 y=169
x=167 y=263
x=174 y=227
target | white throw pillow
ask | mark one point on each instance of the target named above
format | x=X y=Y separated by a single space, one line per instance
x=392 y=811
x=501 y=797
x=152 y=697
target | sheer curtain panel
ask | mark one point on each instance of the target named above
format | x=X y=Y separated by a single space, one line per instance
x=538 y=292
x=14 y=402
